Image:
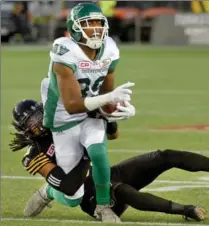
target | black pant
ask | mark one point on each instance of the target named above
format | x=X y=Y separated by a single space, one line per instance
x=140 y=171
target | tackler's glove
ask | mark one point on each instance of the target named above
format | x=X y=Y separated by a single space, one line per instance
x=33 y=160
x=122 y=112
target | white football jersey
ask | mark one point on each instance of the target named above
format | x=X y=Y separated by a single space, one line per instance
x=90 y=75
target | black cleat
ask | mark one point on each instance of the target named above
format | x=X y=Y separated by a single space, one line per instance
x=194 y=212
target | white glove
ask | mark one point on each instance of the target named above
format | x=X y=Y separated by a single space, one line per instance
x=121 y=93
x=122 y=112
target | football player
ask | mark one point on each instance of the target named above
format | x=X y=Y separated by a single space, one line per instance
x=81 y=74
x=127 y=177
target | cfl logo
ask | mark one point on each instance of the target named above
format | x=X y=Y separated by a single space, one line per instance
x=84 y=65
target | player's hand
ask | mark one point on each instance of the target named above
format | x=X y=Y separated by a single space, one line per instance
x=122 y=112
x=121 y=93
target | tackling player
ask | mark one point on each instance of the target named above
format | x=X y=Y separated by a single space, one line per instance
x=81 y=74
x=127 y=177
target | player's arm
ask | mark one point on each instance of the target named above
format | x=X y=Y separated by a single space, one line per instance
x=52 y=172
x=46 y=169
x=108 y=84
x=39 y=162
x=112 y=131
x=69 y=89
x=70 y=92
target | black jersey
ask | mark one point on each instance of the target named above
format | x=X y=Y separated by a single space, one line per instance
x=39 y=153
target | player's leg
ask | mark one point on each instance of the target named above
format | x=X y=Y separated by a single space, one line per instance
x=59 y=187
x=125 y=194
x=68 y=150
x=142 y=170
x=68 y=154
x=185 y=160
x=139 y=171
x=45 y=194
x=93 y=139
x=71 y=201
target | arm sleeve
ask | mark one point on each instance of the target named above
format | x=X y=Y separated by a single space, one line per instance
x=111 y=127
x=71 y=182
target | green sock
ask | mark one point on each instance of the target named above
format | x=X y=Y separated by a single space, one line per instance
x=61 y=197
x=100 y=172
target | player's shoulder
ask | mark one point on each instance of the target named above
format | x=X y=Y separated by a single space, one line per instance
x=111 y=47
x=63 y=44
x=110 y=43
x=63 y=50
x=64 y=41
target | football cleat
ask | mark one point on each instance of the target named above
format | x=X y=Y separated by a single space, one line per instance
x=105 y=214
x=194 y=212
x=37 y=202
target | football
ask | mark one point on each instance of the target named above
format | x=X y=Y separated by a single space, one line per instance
x=110 y=108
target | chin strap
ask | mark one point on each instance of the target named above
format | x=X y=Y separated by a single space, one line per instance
x=91 y=47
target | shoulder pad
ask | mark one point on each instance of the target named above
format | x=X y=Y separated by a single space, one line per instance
x=112 y=48
x=63 y=52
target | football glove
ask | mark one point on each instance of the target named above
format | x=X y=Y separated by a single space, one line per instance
x=122 y=112
x=121 y=93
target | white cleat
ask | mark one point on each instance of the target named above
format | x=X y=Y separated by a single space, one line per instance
x=105 y=214
x=37 y=202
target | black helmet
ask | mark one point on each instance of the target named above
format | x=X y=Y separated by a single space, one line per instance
x=28 y=117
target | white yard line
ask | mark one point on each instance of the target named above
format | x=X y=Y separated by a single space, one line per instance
x=21 y=178
x=56 y=220
x=205 y=178
x=140 y=151
x=175 y=188
x=149 y=150
x=199 y=183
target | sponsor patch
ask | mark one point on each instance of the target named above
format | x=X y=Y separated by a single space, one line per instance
x=51 y=150
x=84 y=65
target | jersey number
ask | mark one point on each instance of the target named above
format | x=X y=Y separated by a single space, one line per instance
x=59 y=49
x=86 y=83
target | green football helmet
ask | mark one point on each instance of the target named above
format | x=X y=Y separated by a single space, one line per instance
x=84 y=12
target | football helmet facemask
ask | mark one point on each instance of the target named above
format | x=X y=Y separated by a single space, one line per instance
x=85 y=12
x=28 y=117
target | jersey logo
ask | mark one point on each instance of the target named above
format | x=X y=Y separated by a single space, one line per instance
x=51 y=150
x=84 y=64
x=95 y=66
x=105 y=63
x=59 y=49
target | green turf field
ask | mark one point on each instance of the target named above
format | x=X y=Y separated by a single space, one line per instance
x=172 y=89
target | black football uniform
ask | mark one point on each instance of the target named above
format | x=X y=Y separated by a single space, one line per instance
x=127 y=178
x=131 y=175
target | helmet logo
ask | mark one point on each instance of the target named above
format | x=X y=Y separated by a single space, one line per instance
x=75 y=11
